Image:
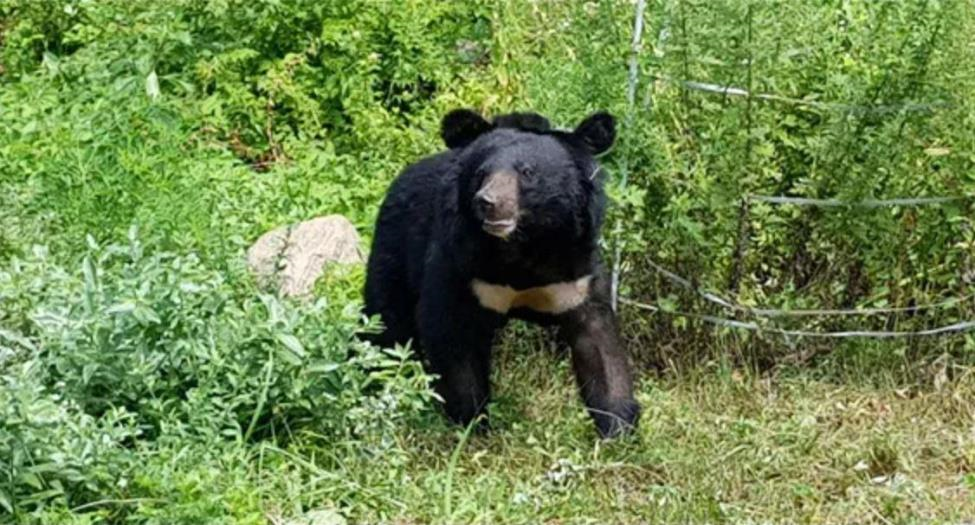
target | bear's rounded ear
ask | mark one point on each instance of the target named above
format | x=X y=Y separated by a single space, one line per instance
x=597 y=132
x=461 y=126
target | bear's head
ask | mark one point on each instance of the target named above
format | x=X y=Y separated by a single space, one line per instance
x=520 y=179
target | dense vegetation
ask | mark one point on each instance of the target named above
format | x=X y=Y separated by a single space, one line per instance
x=145 y=379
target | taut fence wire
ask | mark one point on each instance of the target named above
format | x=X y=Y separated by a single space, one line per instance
x=952 y=329
x=733 y=91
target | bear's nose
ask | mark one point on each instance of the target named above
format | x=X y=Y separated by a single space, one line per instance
x=485 y=203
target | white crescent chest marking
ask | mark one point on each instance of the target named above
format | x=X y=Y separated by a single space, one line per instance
x=553 y=298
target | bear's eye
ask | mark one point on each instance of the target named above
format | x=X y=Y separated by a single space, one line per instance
x=526 y=171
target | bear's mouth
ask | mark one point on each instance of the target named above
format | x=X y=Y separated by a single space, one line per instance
x=499 y=228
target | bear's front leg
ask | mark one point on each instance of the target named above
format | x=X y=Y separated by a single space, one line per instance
x=456 y=334
x=601 y=366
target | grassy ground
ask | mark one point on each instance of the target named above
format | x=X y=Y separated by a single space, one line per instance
x=716 y=445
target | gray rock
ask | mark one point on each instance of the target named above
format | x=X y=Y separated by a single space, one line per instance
x=291 y=258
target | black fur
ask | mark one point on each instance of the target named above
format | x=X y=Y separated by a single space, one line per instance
x=524 y=121
x=429 y=245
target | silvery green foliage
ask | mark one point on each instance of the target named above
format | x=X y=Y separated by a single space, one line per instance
x=151 y=346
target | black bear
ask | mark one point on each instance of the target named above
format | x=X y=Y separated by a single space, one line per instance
x=505 y=223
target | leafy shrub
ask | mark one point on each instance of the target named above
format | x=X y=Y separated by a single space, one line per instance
x=51 y=448
x=155 y=346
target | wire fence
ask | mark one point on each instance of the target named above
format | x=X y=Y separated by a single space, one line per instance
x=733 y=91
x=778 y=312
x=771 y=313
x=767 y=314
x=952 y=329
x=632 y=80
x=867 y=203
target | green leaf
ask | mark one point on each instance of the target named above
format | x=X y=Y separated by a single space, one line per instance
x=152 y=85
x=292 y=343
x=146 y=315
x=5 y=501
x=17 y=339
x=121 y=308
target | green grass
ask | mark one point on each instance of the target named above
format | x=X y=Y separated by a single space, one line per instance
x=715 y=445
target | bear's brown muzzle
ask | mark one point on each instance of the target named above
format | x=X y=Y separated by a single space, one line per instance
x=496 y=203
